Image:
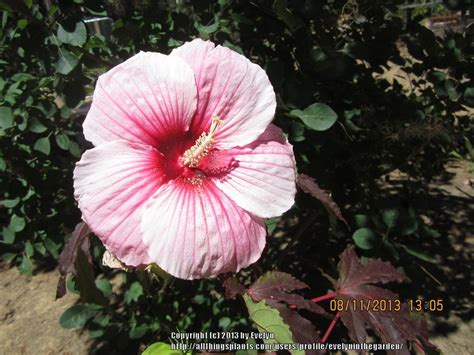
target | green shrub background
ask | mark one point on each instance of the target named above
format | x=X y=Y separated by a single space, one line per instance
x=329 y=53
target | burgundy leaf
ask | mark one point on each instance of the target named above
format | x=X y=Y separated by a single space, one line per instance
x=355 y=291
x=277 y=286
x=67 y=259
x=303 y=330
x=273 y=281
x=233 y=287
x=310 y=186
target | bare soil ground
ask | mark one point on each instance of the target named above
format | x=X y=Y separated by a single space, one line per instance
x=29 y=315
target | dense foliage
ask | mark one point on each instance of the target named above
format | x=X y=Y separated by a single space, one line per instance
x=351 y=121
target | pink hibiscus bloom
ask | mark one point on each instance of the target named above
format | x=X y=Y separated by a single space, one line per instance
x=186 y=164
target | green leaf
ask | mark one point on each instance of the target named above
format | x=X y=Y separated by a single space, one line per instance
x=23 y=77
x=8 y=235
x=365 y=238
x=6 y=117
x=207 y=30
x=10 y=203
x=3 y=164
x=8 y=256
x=224 y=322
x=36 y=126
x=51 y=247
x=160 y=349
x=284 y=14
x=40 y=248
x=29 y=249
x=469 y=95
x=362 y=220
x=105 y=286
x=409 y=223
x=75 y=38
x=66 y=63
x=390 y=217
x=134 y=292
x=42 y=145
x=269 y=320
x=63 y=141
x=138 y=331
x=271 y=225
x=17 y=224
x=77 y=316
x=418 y=254
x=318 y=117
x=26 y=267
x=74 y=149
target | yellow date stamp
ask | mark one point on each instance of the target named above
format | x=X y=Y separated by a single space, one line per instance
x=385 y=305
x=365 y=305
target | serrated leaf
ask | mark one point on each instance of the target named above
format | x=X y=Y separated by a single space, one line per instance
x=75 y=38
x=366 y=238
x=318 y=117
x=269 y=320
x=355 y=286
x=77 y=316
x=233 y=287
x=303 y=330
x=310 y=186
x=42 y=145
x=277 y=286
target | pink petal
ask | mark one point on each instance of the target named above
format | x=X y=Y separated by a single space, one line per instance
x=261 y=177
x=144 y=99
x=111 y=184
x=231 y=87
x=199 y=232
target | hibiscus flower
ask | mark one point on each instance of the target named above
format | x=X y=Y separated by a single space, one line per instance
x=186 y=163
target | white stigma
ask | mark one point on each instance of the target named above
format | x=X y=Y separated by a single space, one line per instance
x=203 y=144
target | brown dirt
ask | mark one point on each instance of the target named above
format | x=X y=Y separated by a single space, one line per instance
x=29 y=316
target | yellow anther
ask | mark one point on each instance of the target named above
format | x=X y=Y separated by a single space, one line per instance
x=203 y=144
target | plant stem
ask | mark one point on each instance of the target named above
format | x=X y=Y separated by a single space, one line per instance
x=324 y=297
x=330 y=328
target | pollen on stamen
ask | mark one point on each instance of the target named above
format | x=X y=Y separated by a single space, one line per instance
x=203 y=144
x=194 y=181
